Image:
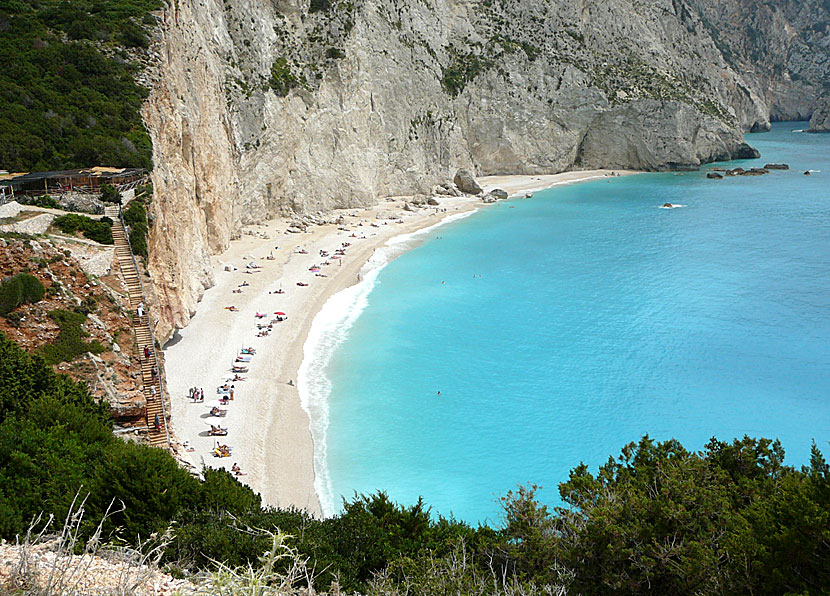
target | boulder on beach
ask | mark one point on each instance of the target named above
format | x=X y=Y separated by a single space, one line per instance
x=499 y=193
x=432 y=201
x=466 y=182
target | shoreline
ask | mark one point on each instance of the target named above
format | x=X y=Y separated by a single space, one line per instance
x=269 y=422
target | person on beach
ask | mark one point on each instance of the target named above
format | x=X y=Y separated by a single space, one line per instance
x=231 y=392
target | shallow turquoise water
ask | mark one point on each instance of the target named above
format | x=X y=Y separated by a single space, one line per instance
x=597 y=317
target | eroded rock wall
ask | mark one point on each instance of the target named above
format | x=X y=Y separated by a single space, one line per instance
x=262 y=107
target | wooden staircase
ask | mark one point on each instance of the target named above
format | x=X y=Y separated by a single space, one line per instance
x=150 y=369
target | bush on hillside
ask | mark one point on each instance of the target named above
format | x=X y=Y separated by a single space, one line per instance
x=70 y=342
x=65 y=103
x=732 y=519
x=109 y=194
x=96 y=230
x=19 y=289
x=135 y=216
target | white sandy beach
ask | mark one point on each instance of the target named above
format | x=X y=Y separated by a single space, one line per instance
x=268 y=430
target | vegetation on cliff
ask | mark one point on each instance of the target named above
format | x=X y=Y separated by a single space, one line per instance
x=19 y=289
x=67 y=94
x=98 y=230
x=731 y=519
x=135 y=216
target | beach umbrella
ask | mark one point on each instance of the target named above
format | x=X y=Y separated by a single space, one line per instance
x=282 y=314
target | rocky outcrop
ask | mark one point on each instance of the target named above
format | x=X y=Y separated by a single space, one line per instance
x=820 y=120
x=683 y=139
x=265 y=108
x=466 y=182
x=37 y=224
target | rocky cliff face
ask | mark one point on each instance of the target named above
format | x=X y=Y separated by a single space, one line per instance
x=306 y=105
x=820 y=120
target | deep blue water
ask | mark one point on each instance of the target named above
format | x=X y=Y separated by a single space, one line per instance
x=597 y=318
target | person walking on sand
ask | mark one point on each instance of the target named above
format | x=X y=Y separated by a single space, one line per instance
x=231 y=392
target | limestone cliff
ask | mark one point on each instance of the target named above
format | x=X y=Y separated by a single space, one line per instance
x=261 y=107
x=820 y=120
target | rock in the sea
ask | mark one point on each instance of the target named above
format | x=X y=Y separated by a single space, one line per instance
x=745 y=151
x=755 y=172
x=466 y=182
x=714 y=176
x=735 y=172
x=807 y=173
x=820 y=120
x=528 y=194
x=776 y=166
x=499 y=193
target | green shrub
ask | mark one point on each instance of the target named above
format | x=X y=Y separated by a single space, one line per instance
x=65 y=103
x=19 y=289
x=46 y=201
x=282 y=79
x=70 y=343
x=319 y=5
x=97 y=230
x=109 y=194
x=462 y=70
x=335 y=53
x=135 y=216
x=14 y=318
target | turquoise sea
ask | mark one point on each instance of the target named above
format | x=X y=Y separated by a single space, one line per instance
x=561 y=327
